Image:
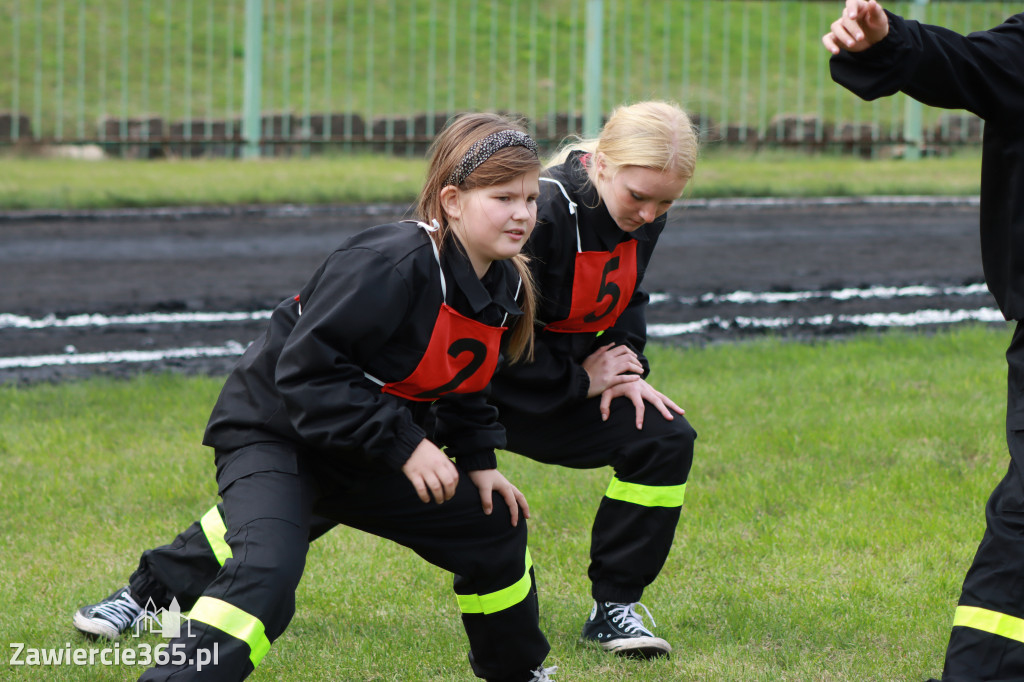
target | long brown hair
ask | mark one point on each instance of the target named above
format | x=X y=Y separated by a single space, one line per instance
x=507 y=163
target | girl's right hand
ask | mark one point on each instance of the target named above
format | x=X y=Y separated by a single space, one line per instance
x=431 y=473
x=609 y=366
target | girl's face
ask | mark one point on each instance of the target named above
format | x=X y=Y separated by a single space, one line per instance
x=493 y=223
x=635 y=195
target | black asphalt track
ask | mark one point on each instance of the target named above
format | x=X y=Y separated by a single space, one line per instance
x=247 y=259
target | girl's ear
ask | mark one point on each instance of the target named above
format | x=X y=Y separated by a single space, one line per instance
x=450 y=202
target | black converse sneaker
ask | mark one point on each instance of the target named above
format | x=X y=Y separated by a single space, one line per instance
x=109 y=618
x=618 y=628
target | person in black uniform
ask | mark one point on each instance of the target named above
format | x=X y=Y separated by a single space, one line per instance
x=339 y=413
x=876 y=53
x=584 y=401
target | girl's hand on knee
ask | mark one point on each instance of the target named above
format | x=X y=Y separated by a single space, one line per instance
x=431 y=473
x=490 y=481
x=609 y=366
x=639 y=392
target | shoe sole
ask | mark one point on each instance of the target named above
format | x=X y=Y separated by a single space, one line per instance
x=644 y=647
x=90 y=628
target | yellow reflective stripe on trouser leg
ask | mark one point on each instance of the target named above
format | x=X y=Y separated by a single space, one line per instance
x=646 y=495
x=989 y=621
x=235 y=622
x=214 y=529
x=500 y=600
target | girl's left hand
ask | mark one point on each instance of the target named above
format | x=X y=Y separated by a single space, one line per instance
x=489 y=481
x=638 y=392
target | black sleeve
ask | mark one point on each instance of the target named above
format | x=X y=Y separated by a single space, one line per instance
x=982 y=72
x=357 y=304
x=467 y=426
x=552 y=381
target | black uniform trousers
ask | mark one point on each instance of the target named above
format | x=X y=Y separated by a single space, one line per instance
x=637 y=517
x=987 y=639
x=239 y=588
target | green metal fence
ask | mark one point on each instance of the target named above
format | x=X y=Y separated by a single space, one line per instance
x=147 y=77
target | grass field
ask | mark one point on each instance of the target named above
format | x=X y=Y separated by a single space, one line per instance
x=67 y=64
x=835 y=502
x=75 y=184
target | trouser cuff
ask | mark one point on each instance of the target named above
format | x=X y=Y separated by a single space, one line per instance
x=620 y=594
x=145 y=587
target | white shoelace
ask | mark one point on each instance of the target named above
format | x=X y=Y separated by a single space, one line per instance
x=542 y=674
x=122 y=612
x=627 y=617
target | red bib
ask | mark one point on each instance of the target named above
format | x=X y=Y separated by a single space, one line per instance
x=602 y=285
x=460 y=358
x=461 y=355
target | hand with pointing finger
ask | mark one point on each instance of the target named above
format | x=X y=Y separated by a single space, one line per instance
x=862 y=24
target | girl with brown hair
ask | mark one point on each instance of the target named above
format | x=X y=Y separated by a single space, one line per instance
x=339 y=413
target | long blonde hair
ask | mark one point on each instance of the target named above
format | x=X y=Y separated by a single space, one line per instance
x=652 y=134
x=507 y=163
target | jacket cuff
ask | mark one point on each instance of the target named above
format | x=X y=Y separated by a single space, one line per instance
x=405 y=443
x=887 y=50
x=582 y=383
x=478 y=461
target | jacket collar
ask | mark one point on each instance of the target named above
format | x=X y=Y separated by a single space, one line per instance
x=496 y=286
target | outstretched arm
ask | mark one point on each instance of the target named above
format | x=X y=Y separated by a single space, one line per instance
x=876 y=54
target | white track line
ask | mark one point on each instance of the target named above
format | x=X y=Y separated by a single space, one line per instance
x=848 y=294
x=96 y=320
x=9 y=321
x=231 y=348
x=915 y=319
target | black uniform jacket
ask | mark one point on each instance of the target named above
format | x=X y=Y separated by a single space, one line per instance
x=556 y=377
x=370 y=307
x=983 y=73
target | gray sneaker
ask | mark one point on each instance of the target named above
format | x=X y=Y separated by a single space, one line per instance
x=620 y=629
x=543 y=674
x=110 y=617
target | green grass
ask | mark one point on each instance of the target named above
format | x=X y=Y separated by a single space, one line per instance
x=70 y=184
x=835 y=502
x=67 y=65
x=73 y=184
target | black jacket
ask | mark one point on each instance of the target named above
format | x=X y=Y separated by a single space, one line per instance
x=556 y=378
x=370 y=307
x=983 y=73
